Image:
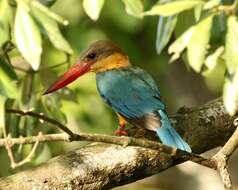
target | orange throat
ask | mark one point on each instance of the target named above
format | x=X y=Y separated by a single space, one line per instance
x=113 y=61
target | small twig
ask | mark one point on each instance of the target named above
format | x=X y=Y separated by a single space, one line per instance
x=8 y=146
x=232 y=144
x=123 y=140
x=30 y=155
x=53 y=66
x=30 y=71
x=42 y=117
x=21 y=69
x=6 y=48
x=8 y=143
x=67 y=60
x=222 y=157
x=32 y=139
x=222 y=167
x=29 y=84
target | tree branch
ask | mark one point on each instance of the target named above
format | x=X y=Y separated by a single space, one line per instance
x=123 y=141
x=103 y=166
x=42 y=117
x=14 y=164
x=222 y=157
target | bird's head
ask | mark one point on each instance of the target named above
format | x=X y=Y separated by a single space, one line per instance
x=101 y=56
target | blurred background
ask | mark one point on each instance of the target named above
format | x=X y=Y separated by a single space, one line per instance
x=83 y=110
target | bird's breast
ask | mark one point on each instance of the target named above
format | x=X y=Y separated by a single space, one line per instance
x=111 y=83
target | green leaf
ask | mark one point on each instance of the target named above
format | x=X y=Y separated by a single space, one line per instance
x=2 y=114
x=52 y=30
x=49 y=13
x=7 y=80
x=93 y=8
x=27 y=35
x=5 y=21
x=210 y=4
x=174 y=7
x=197 y=46
x=231 y=47
x=185 y=21
x=212 y=60
x=134 y=8
x=180 y=44
x=230 y=93
x=48 y=3
x=165 y=30
x=198 y=12
x=8 y=69
x=219 y=29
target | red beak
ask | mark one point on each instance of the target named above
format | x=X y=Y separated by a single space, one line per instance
x=69 y=76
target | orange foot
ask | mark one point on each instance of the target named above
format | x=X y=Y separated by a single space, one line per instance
x=121 y=128
x=121 y=132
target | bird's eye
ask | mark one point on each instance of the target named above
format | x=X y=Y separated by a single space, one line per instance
x=91 y=56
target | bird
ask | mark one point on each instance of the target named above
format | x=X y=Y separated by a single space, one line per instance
x=128 y=90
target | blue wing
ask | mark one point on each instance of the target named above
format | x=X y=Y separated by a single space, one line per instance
x=130 y=91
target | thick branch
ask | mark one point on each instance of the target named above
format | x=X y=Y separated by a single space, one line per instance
x=103 y=166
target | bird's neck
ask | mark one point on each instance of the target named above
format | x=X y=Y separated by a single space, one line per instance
x=114 y=61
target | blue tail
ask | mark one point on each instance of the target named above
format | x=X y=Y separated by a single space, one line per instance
x=168 y=134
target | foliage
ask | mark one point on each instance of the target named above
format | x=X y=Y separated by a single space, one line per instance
x=202 y=38
x=33 y=51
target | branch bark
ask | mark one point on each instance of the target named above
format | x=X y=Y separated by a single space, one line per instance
x=102 y=166
x=221 y=158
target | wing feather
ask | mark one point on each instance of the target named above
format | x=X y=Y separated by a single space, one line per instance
x=130 y=92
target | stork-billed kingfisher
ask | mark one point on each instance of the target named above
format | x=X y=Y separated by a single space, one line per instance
x=129 y=90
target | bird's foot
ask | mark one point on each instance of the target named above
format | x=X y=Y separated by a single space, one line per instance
x=121 y=131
